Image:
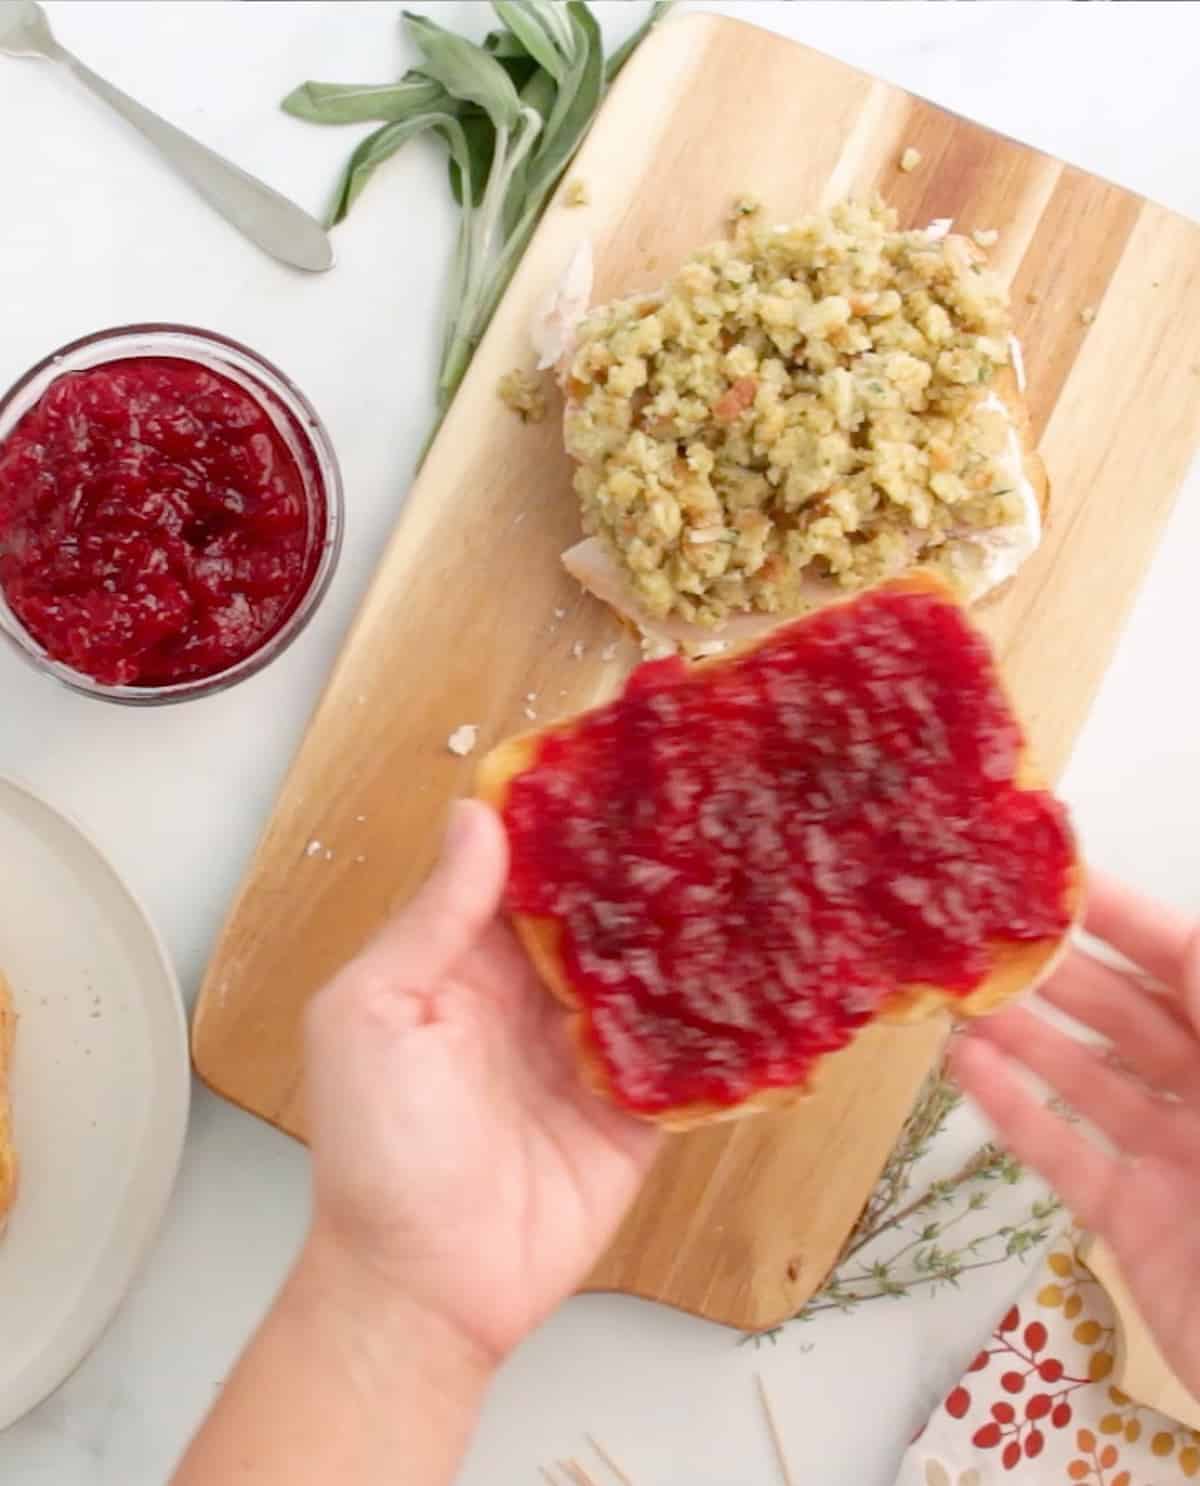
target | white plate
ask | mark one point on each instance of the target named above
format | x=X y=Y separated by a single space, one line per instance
x=100 y=1086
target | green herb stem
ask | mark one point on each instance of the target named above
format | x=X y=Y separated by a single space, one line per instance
x=512 y=112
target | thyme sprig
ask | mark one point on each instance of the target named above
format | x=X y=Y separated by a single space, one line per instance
x=951 y=1240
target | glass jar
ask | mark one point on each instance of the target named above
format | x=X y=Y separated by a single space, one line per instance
x=293 y=420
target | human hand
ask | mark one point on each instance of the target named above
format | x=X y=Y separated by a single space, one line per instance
x=1141 y=1198
x=457 y=1157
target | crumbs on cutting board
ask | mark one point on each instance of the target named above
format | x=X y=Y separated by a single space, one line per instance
x=577 y=650
x=986 y=237
x=909 y=160
x=577 y=193
x=314 y=848
x=463 y=739
x=609 y=652
x=1087 y=314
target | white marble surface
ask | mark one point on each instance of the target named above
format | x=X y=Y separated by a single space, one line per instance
x=92 y=232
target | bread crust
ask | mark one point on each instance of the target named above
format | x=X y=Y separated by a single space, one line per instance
x=8 y=1153
x=1017 y=966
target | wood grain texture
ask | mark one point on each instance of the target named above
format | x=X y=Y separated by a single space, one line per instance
x=742 y=1222
x=1138 y=1367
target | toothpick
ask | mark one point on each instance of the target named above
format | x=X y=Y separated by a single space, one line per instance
x=776 y=1440
x=608 y=1460
x=575 y=1472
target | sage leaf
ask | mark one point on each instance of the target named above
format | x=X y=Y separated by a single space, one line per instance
x=526 y=25
x=504 y=46
x=480 y=134
x=555 y=23
x=539 y=93
x=466 y=71
x=512 y=114
x=522 y=70
x=355 y=103
x=382 y=145
x=574 y=108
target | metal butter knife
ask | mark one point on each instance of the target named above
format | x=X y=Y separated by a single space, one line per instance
x=276 y=224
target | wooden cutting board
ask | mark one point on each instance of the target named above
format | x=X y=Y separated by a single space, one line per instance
x=1139 y=1368
x=470 y=610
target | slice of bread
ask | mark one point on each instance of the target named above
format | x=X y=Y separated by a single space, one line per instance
x=1016 y=965
x=8 y=1153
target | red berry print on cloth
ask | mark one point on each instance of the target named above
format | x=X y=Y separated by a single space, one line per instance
x=1033 y=1388
x=1037 y=1405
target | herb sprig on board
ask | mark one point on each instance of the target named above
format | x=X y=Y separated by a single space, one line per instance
x=511 y=113
x=938 y=1252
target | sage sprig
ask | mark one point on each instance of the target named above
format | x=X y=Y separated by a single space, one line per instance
x=511 y=112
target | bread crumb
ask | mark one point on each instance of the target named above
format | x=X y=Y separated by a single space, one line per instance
x=1033 y=297
x=910 y=159
x=986 y=237
x=531 y=696
x=313 y=849
x=609 y=652
x=1087 y=314
x=360 y=859
x=329 y=853
x=576 y=194
x=523 y=392
x=531 y=714
x=577 y=650
x=463 y=739
x=560 y=613
x=360 y=818
x=746 y=206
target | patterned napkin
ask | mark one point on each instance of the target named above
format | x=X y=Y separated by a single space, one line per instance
x=1037 y=1403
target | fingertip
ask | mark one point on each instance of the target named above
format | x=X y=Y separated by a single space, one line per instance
x=972 y=1056
x=456 y=902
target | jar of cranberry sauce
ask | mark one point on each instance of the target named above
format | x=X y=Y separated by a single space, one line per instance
x=170 y=514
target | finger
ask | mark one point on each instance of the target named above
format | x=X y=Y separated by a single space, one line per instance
x=1146 y=1028
x=1132 y=1118
x=458 y=900
x=1191 y=987
x=1150 y=934
x=1082 y=1175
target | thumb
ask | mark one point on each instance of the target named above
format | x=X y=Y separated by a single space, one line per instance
x=457 y=901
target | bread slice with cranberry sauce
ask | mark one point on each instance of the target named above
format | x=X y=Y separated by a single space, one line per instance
x=732 y=868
